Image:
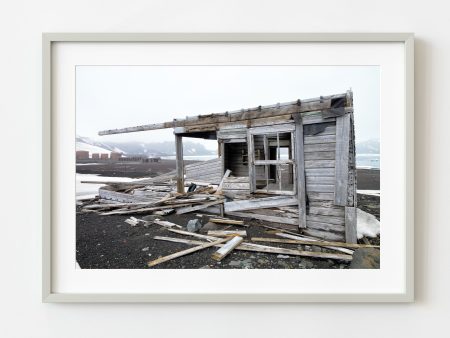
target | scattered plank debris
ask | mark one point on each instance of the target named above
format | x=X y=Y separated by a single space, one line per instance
x=227 y=248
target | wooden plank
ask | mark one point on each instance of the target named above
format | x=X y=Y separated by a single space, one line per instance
x=325 y=226
x=259 y=203
x=316 y=243
x=310 y=180
x=221 y=233
x=300 y=242
x=219 y=188
x=311 y=148
x=300 y=170
x=266 y=249
x=227 y=248
x=342 y=152
x=326 y=196
x=237 y=179
x=350 y=225
x=251 y=159
x=326 y=211
x=319 y=172
x=184 y=252
x=194 y=234
x=320 y=139
x=319 y=188
x=273 y=129
x=236 y=186
x=166 y=224
x=329 y=236
x=314 y=240
x=185 y=210
x=326 y=219
x=274 y=219
x=309 y=105
x=227 y=221
x=179 y=163
x=320 y=164
x=320 y=155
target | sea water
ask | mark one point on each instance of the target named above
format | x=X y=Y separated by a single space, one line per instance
x=368 y=161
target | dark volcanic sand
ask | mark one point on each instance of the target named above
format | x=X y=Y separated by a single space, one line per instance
x=107 y=242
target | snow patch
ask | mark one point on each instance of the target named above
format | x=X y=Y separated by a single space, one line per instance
x=367 y=224
x=90 y=190
x=369 y=192
x=91 y=148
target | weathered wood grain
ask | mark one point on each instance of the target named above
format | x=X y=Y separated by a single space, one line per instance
x=342 y=161
x=300 y=170
x=179 y=163
x=259 y=203
x=350 y=225
x=185 y=210
x=264 y=248
x=185 y=252
x=227 y=248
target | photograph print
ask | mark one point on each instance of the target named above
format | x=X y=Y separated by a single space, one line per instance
x=228 y=167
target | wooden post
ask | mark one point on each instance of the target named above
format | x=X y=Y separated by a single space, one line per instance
x=342 y=159
x=180 y=163
x=300 y=161
x=350 y=225
x=250 y=160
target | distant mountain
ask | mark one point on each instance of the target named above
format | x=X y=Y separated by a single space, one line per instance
x=368 y=147
x=166 y=148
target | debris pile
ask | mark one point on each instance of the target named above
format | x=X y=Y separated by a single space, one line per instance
x=155 y=198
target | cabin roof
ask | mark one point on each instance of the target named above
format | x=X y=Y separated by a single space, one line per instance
x=334 y=104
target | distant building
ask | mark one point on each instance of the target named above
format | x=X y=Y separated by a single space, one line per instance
x=82 y=155
x=104 y=156
x=115 y=156
x=95 y=156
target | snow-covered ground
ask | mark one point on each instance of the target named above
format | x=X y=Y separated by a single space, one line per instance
x=369 y=192
x=367 y=224
x=90 y=190
x=91 y=148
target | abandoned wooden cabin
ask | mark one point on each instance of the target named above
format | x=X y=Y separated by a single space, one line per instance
x=303 y=152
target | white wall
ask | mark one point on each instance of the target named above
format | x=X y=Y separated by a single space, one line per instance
x=23 y=315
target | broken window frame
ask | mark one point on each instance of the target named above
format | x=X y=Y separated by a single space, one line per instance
x=267 y=132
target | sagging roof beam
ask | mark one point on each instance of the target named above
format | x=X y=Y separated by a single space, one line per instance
x=315 y=104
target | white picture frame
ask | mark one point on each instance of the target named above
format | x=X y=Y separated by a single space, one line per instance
x=49 y=225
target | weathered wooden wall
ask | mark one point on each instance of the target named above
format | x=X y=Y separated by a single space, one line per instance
x=206 y=171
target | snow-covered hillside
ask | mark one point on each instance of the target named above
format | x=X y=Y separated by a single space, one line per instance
x=87 y=144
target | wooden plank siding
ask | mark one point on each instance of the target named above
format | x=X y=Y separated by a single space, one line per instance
x=300 y=171
x=342 y=159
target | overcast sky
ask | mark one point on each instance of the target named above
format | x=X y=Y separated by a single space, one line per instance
x=109 y=97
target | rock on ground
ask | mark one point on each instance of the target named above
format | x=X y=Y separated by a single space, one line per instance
x=366 y=258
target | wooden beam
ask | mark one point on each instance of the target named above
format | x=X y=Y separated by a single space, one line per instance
x=179 y=163
x=342 y=159
x=185 y=210
x=274 y=219
x=309 y=105
x=184 y=252
x=227 y=248
x=316 y=243
x=259 y=203
x=264 y=248
x=221 y=233
x=227 y=221
x=300 y=160
x=309 y=239
x=219 y=188
x=350 y=225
